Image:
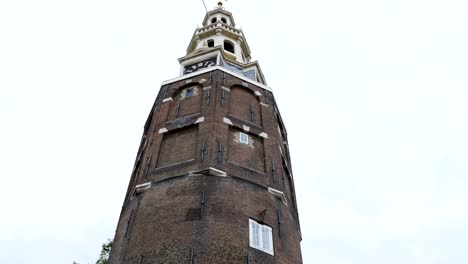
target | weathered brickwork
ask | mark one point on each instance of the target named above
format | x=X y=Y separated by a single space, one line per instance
x=244 y=104
x=190 y=213
x=184 y=105
x=247 y=155
x=178 y=146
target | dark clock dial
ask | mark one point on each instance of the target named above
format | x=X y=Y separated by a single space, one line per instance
x=199 y=65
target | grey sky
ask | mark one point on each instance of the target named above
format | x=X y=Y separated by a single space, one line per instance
x=373 y=93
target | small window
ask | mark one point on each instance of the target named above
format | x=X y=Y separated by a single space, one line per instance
x=210 y=43
x=189 y=92
x=228 y=46
x=224 y=20
x=213 y=20
x=243 y=138
x=261 y=237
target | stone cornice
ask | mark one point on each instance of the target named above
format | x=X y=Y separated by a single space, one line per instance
x=214 y=68
x=205 y=53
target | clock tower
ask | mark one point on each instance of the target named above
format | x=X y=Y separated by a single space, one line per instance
x=212 y=181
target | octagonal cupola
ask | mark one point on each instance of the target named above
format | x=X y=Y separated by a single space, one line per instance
x=218 y=30
x=219 y=43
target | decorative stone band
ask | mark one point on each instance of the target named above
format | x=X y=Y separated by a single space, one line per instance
x=182 y=122
x=210 y=171
x=240 y=124
x=279 y=194
x=214 y=68
x=227 y=121
x=141 y=188
x=200 y=120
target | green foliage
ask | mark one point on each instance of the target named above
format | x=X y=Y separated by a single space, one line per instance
x=104 y=256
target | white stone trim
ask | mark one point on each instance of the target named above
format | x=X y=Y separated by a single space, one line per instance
x=246 y=128
x=225 y=88
x=200 y=119
x=174 y=164
x=202 y=81
x=209 y=69
x=279 y=194
x=211 y=171
x=141 y=188
x=167 y=99
x=264 y=135
x=245 y=84
x=162 y=130
x=227 y=121
x=263 y=104
x=206 y=88
x=257 y=93
x=188 y=81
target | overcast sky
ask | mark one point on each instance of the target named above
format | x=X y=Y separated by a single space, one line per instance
x=374 y=95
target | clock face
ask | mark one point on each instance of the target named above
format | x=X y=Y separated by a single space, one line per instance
x=200 y=65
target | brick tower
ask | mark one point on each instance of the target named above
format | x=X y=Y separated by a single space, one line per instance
x=212 y=181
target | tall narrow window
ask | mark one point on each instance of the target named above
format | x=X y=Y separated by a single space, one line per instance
x=228 y=46
x=261 y=237
x=224 y=20
x=213 y=20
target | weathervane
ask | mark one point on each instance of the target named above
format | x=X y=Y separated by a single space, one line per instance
x=205 y=5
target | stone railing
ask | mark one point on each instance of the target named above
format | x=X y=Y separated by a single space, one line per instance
x=219 y=25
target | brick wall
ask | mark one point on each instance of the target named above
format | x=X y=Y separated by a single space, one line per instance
x=182 y=105
x=164 y=223
x=247 y=155
x=178 y=145
x=244 y=105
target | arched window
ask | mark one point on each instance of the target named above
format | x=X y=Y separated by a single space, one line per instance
x=213 y=20
x=228 y=46
x=244 y=104
x=210 y=43
x=224 y=20
x=187 y=100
